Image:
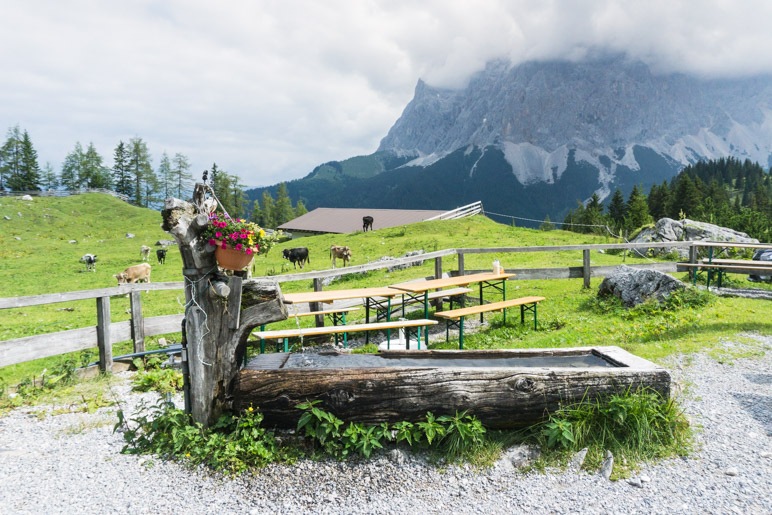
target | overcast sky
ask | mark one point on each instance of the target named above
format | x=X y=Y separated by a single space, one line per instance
x=270 y=89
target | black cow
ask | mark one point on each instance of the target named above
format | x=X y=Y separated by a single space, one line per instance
x=161 y=255
x=297 y=256
x=367 y=223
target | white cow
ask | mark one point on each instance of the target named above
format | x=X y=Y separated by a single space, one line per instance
x=90 y=261
x=144 y=252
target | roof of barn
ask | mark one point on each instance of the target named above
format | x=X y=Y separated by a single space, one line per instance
x=347 y=220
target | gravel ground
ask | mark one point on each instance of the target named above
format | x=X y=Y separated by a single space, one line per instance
x=71 y=464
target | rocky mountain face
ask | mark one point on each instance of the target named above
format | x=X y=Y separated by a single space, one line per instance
x=534 y=139
x=538 y=113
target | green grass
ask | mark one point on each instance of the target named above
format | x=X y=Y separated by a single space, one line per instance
x=43 y=261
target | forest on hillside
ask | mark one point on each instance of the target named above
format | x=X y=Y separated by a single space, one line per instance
x=727 y=192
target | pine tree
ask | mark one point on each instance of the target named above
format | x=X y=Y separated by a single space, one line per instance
x=183 y=178
x=140 y=170
x=11 y=160
x=94 y=174
x=637 y=210
x=283 y=211
x=30 y=170
x=617 y=209
x=547 y=224
x=121 y=173
x=268 y=220
x=48 y=179
x=165 y=175
x=300 y=208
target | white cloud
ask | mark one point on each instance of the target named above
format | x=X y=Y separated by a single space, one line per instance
x=270 y=89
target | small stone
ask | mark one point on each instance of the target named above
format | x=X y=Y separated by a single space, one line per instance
x=636 y=482
x=577 y=461
x=607 y=466
x=766 y=454
x=645 y=479
x=731 y=471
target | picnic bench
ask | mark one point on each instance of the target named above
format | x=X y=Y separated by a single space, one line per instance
x=525 y=303
x=725 y=266
x=283 y=335
x=336 y=315
x=448 y=295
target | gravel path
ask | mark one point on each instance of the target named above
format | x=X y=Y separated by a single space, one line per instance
x=71 y=464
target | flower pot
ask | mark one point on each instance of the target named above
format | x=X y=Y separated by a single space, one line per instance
x=232 y=259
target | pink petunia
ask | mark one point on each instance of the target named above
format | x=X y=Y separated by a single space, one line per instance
x=224 y=245
x=238 y=246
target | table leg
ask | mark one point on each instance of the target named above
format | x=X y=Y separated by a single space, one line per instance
x=461 y=333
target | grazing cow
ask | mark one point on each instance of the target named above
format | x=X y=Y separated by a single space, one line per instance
x=90 y=261
x=298 y=255
x=340 y=252
x=144 y=252
x=367 y=223
x=161 y=255
x=135 y=274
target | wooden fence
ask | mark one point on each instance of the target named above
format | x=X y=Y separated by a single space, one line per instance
x=105 y=333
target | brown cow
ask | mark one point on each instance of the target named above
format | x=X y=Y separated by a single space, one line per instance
x=340 y=252
x=134 y=274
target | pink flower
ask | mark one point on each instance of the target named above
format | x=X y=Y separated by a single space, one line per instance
x=212 y=242
x=224 y=245
x=238 y=246
x=249 y=250
x=218 y=235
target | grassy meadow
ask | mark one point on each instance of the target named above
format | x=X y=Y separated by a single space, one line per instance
x=41 y=242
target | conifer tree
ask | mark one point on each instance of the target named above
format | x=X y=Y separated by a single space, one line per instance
x=183 y=178
x=617 y=209
x=121 y=174
x=268 y=219
x=637 y=210
x=300 y=208
x=283 y=211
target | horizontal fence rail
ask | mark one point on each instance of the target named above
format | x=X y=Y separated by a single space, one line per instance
x=105 y=333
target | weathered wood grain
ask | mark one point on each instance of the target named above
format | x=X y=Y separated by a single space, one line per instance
x=499 y=397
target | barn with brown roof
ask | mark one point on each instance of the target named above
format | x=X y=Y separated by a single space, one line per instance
x=346 y=220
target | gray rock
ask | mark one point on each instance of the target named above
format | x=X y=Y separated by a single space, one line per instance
x=129 y=235
x=575 y=465
x=607 y=466
x=7 y=217
x=635 y=286
x=27 y=197
x=668 y=230
x=732 y=471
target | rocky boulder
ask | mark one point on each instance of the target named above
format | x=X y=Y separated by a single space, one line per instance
x=667 y=229
x=635 y=286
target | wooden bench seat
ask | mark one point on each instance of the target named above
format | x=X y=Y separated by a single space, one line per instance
x=724 y=266
x=525 y=303
x=331 y=311
x=301 y=332
x=408 y=299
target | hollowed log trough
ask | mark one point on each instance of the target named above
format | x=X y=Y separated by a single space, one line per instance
x=500 y=387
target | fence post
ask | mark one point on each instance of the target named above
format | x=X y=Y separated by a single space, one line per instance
x=586 y=267
x=314 y=306
x=438 y=267
x=103 y=334
x=460 y=263
x=692 y=260
x=137 y=322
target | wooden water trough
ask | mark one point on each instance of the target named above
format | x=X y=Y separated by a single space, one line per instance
x=503 y=388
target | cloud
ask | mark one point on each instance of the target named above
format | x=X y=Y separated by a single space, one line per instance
x=270 y=89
